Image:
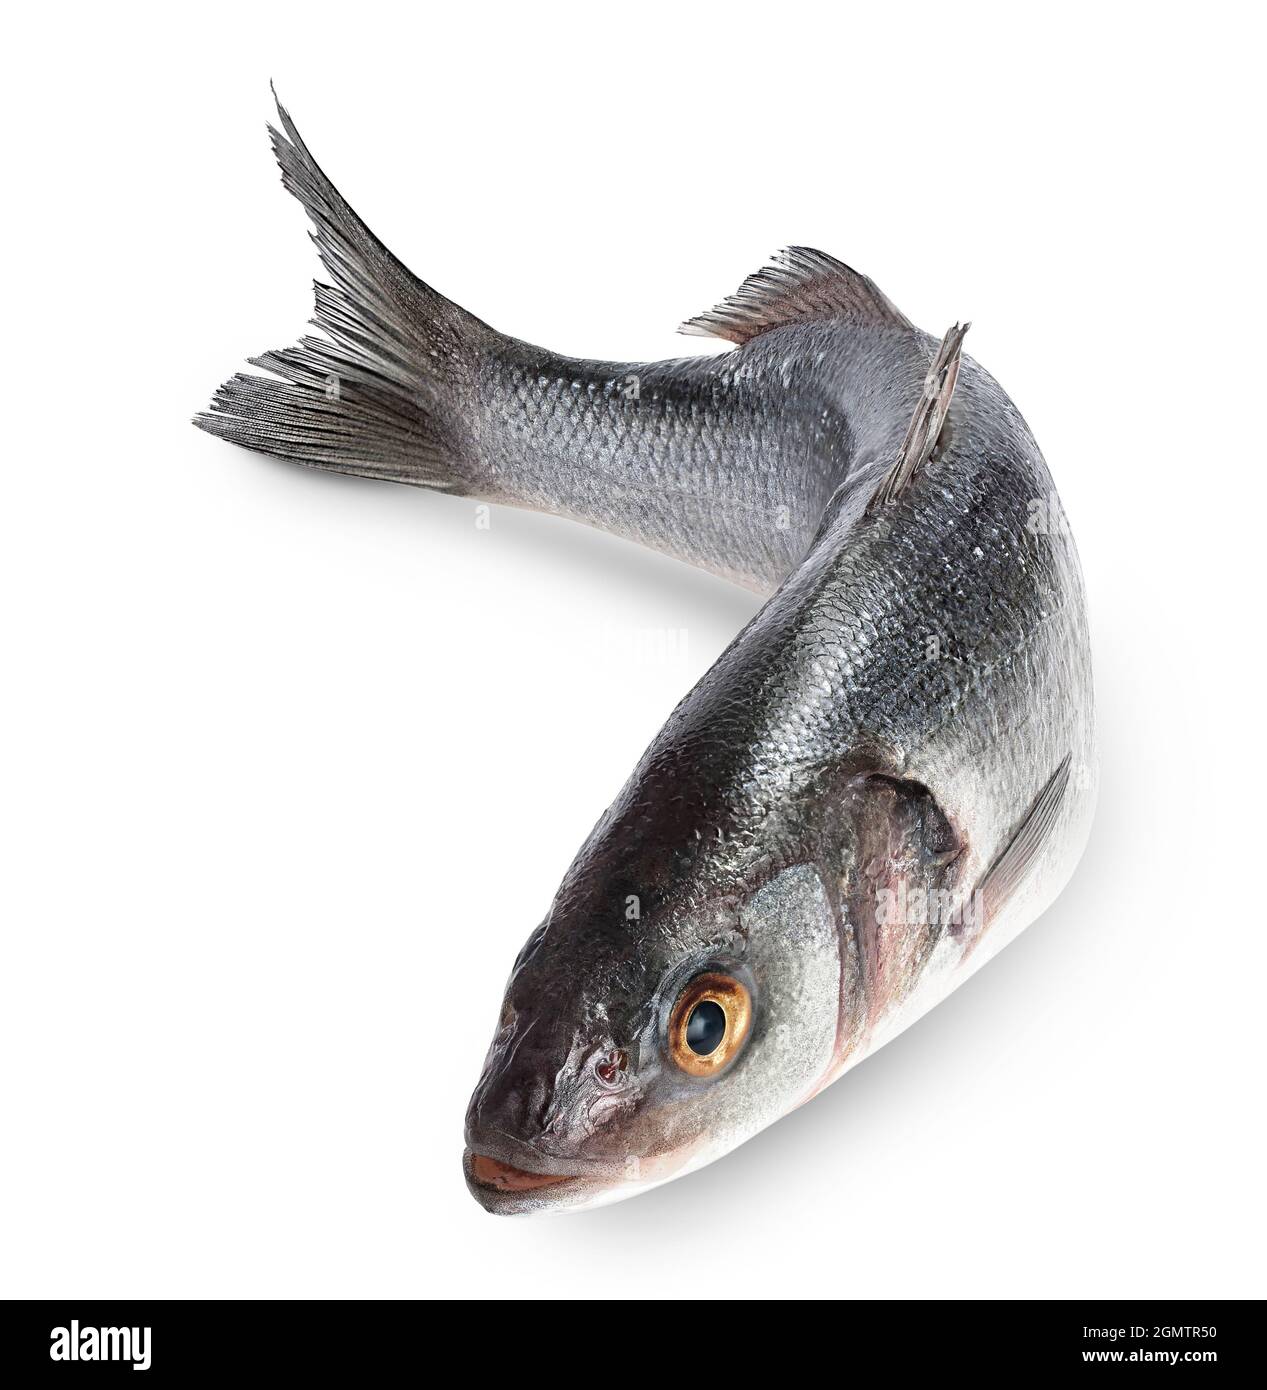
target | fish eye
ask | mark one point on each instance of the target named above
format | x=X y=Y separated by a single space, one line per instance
x=709 y=1023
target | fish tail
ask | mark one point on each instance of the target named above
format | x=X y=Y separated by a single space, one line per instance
x=388 y=391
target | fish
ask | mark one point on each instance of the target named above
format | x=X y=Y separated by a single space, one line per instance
x=888 y=773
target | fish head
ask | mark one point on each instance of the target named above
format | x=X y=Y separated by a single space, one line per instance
x=635 y=1047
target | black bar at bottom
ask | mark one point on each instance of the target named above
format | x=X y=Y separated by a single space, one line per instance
x=183 y=1340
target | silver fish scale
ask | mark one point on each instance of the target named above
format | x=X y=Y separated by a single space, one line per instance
x=658 y=454
x=839 y=659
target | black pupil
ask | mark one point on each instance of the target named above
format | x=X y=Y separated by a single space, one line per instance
x=706 y=1027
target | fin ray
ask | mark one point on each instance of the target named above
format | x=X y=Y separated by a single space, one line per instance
x=926 y=423
x=1014 y=861
x=800 y=285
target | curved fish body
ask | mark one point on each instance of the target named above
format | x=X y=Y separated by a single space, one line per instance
x=888 y=773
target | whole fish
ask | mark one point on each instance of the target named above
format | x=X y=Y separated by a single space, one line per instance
x=888 y=773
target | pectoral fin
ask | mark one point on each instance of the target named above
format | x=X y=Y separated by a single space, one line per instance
x=1014 y=862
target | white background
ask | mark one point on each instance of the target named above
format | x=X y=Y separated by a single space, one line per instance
x=293 y=763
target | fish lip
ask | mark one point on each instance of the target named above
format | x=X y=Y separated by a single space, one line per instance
x=556 y=1192
x=565 y=1183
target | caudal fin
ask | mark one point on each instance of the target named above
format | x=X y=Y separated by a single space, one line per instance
x=387 y=393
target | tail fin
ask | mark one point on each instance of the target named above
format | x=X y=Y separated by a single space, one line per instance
x=387 y=396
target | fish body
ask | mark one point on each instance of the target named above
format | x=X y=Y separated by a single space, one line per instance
x=888 y=773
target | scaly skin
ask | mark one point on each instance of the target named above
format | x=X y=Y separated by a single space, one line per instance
x=907 y=721
x=770 y=762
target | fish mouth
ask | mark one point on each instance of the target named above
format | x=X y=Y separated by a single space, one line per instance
x=506 y=1189
x=492 y=1172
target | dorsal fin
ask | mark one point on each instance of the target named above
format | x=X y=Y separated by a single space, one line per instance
x=800 y=285
x=926 y=423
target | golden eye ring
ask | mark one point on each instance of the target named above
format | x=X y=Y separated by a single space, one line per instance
x=709 y=1023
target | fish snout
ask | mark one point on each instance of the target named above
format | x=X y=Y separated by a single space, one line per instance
x=533 y=1125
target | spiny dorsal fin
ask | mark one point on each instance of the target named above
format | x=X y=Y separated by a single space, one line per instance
x=800 y=285
x=926 y=423
x=1009 y=870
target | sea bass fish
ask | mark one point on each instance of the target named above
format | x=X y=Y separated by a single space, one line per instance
x=889 y=772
